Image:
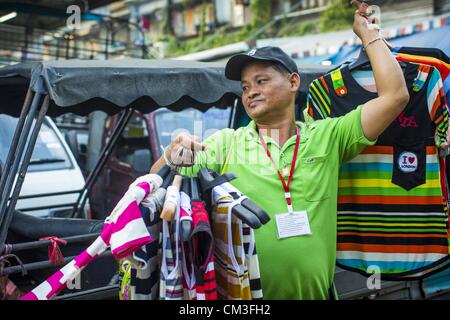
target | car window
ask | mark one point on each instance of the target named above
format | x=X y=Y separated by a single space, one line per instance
x=202 y=124
x=134 y=137
x=48 y=153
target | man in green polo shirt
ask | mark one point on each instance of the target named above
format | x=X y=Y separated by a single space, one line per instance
x=290 y=169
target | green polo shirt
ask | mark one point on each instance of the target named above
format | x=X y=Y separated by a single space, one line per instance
x=297 y=267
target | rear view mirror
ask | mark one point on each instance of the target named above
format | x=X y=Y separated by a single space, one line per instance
x=141 y=161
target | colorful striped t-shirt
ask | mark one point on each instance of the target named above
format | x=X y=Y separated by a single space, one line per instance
x=392 y=212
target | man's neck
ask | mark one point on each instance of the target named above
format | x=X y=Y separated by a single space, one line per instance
x=280 y=131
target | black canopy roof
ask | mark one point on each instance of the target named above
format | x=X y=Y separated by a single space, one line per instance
x=83 y=86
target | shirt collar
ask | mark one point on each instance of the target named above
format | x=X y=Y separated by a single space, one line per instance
x=252 y=135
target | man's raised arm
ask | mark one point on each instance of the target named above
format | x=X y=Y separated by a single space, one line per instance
x=377 y=114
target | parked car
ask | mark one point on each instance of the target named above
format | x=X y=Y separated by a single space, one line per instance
x=75 y=130
x=53 y=177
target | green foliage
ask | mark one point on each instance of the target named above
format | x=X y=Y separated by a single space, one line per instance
x=299 y=29
x=165 y=26
x=177 y=47
x=261 y=12
x=308 y=28
x=338 y=16
x=203 y=22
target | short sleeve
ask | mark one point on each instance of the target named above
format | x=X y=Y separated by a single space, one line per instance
x=214 y=156
x=437 y=106
x=350 y=135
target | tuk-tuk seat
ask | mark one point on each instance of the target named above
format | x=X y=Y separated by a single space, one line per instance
x=31 y=227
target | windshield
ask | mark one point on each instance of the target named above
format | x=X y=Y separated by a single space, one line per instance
x=48 y=153
x=202 y=124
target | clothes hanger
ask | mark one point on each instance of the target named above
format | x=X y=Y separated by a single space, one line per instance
x=363 y=63
x=164 y=171
x=247 y=203
x=195 y=190
x=248 y=216
x=363 y=58
x=186 y=220
x=168 y=180
x=172 y=199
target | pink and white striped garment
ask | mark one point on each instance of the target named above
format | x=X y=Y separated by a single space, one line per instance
x=124 y=232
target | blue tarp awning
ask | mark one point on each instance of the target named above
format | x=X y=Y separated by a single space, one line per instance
x=313 y=59
x=436 y=38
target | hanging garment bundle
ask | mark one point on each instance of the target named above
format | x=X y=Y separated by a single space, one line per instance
x=189 y=263
x=151 y=259
x=142 y=266
x=392 y=200
x=187 y=268
x=236 y=260
x=237 y=268
x=169 y=260
x=198 y=259
x=170 y=286
x=124 y=232
x=139 y=273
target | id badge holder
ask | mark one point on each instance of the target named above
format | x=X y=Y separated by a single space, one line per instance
x=292 y=224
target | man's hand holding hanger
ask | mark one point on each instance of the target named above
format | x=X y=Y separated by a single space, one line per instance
x=366 y=25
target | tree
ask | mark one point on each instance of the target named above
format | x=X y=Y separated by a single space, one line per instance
x=339 y=15
x=203 y=8
x=261 y=12
x=167 y=23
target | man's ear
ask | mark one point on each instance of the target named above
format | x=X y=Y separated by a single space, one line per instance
x=295 y=81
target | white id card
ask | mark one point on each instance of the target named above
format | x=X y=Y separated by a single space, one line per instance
x=292 y=225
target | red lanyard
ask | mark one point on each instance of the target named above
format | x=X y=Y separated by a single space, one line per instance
x=287 y=194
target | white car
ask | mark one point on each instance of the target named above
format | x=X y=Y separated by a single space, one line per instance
x=52 y=169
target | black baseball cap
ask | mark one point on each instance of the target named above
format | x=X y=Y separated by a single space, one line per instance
x=237 y=62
